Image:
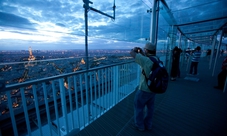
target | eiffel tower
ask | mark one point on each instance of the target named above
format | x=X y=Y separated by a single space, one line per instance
x=31 y=57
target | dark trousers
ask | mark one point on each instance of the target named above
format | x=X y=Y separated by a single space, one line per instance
x=175 y=69
x=193 y=68
x=221 y=78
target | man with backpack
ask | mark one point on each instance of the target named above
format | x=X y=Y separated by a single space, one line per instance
x=144 y=96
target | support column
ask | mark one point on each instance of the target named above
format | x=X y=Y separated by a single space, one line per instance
x=86 y=8
x=154 y=22
x=167 y=63
x=179 y=42
x=212 y=51
x=219 y=44
x=170 y=45
x=173 y=35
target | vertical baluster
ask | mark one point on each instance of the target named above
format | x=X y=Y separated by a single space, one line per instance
x=47 y=107
x=11 y=111
x=121 y=72
x=70 y=101
x=121 y=81
x=76 y=100
x=112 y=93
x=104 y=95
x=126 y=79
x=115 y=82
x=25 y=111
x=87 y=96
x=106 y=88
x=102 y=105
x=91 y=96
x=123 y=85
x=64 y=108
x=131 y=77
x=110 y=86
x=56 y=107
x=82 y=99
x=95 y=94
x=37 y=109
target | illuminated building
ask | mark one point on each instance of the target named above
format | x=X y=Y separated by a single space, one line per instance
x=31 y=57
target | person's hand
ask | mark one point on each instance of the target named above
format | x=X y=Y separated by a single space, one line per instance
x=133 y=53
x=142 y=52
x=139 y=50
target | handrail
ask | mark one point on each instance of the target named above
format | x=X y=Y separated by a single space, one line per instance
x=66 y=103
x=18 y=85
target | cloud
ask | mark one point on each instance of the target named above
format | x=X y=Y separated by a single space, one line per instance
x=61 y=24
x=7 y=19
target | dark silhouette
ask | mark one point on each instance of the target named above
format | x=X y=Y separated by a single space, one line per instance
x=175 y=63
x=222 y=75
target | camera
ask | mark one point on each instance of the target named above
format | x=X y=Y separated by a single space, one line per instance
x=137 y=49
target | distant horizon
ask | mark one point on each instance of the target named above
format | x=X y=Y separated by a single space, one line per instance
x=56 y=49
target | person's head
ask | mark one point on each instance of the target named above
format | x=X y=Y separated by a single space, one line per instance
x=149 y=48
x=198 y=48
x=175 y=48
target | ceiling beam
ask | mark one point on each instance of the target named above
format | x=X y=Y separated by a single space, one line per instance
x=213 y=19
x=202 y=31
x=201 y=36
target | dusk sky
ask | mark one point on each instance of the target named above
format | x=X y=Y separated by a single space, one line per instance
x=60 y=24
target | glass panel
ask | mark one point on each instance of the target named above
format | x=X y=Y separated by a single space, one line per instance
x=199 y=19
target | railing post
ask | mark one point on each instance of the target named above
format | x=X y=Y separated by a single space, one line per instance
x=12 y=115
x=115 y=84
x=47 y=107
x=56 y=128
x=64 y=129
x=25 y=111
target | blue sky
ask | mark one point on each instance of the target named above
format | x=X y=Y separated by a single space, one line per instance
x=60 y=24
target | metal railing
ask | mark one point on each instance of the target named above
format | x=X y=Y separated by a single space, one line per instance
x=64 y=104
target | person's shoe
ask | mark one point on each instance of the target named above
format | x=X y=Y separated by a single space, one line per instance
x=137 y=128
x=217 y=87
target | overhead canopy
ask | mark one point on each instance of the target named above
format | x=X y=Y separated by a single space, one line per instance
x=199 y=21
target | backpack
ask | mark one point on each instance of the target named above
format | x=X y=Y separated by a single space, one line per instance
x=158 y=78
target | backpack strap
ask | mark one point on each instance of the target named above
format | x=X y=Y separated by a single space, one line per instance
x=154 y=60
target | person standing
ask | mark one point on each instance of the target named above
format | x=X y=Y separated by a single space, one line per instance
x=175 y=63
x=144 y=97
x=195 y=60
x=222 y=75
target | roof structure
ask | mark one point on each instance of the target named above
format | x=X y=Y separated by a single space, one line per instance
x=199 y=21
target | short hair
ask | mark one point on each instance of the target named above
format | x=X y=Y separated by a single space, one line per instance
x=198 y=48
